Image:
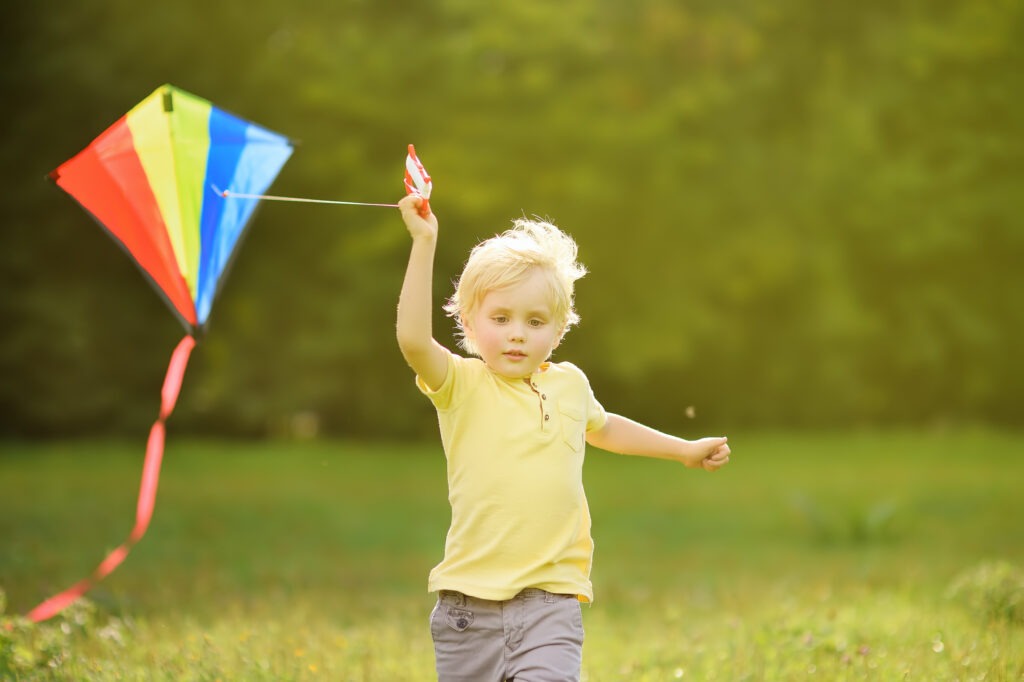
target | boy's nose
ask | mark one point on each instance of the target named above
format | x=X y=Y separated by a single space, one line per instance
x=515 y=333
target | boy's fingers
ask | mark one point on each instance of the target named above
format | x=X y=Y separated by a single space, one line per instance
x=715 y=464
x=720 y=455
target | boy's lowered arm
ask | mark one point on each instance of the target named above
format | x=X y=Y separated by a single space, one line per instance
x=627 y=437
x=415 y=328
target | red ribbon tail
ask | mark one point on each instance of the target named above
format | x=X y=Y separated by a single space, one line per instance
x=57 y=603
x=147 y=489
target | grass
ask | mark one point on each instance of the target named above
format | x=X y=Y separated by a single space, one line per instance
x=859 y=556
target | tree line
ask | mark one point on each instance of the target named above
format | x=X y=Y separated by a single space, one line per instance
x=794 y=214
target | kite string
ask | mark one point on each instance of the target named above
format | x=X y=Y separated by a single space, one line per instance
x=270 y=197
x=147 y=489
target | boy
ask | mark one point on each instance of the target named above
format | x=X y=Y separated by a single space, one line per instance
x=514 y=427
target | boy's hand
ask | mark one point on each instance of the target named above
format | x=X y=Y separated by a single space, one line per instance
x=710 y=453
x=418 y=226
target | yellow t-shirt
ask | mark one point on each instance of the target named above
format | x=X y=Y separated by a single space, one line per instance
x=515 y=480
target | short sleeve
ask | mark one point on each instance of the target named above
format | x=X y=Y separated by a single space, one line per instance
x=462 y=374
x=596 y=416
x=441 y=396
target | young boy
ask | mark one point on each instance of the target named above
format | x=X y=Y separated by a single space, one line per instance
x=514 y=426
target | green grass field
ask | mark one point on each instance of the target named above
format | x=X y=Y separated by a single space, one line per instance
x=835 y=557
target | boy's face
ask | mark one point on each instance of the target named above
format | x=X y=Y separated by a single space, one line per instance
x=514 y=328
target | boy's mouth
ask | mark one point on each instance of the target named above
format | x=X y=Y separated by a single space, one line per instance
x=514 y=354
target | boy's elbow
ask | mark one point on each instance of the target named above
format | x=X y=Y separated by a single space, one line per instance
x=407 y=341
x=427 y=362
x=413 y=346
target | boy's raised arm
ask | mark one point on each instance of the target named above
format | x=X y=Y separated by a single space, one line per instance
x=415 y=328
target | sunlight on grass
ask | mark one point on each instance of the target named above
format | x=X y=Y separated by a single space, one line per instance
x=844 y=556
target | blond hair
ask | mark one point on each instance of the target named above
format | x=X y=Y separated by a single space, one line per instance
x=506 y=259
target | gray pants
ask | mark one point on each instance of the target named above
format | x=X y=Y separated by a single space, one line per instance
x=534 y=637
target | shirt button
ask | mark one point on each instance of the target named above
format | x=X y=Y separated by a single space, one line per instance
x=543 y=397
x=547 y=417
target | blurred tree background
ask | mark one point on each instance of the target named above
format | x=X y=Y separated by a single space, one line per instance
x=795 y=214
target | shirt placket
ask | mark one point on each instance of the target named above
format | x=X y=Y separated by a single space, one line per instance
x=542 y=401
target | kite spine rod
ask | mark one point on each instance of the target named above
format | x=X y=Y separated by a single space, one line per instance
x=270 y=197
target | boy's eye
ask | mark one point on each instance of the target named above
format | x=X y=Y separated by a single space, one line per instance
x=536 y=323
x=500 y=319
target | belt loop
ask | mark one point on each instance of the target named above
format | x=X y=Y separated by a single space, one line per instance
x=548 y=597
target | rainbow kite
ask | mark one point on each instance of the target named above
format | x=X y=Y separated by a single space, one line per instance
x=149 y=179
x=153 y=180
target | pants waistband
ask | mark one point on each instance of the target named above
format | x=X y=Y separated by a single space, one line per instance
x=461 y=599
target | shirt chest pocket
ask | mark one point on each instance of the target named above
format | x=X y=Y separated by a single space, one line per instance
x=573 y=427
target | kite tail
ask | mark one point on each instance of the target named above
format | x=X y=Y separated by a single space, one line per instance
x=147 y=489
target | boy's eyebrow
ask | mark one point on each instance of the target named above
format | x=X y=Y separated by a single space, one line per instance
x=496 y=310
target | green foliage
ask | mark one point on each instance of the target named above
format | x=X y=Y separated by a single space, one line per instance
x=861 y=525
x=30 y=651
x=993 y=590
x=797 y=214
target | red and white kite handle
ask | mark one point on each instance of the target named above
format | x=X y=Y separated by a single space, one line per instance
x=417 y=181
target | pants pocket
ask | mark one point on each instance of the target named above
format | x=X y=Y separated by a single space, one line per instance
x=458 y=619
x=450 y=613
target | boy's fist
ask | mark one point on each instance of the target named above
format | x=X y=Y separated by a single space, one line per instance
x=419 y=225
x=709 y=453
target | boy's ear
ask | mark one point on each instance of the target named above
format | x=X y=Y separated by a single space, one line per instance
x=467 y=328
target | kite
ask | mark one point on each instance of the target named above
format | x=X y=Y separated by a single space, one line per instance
x=148 y=180
x=152 y=180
